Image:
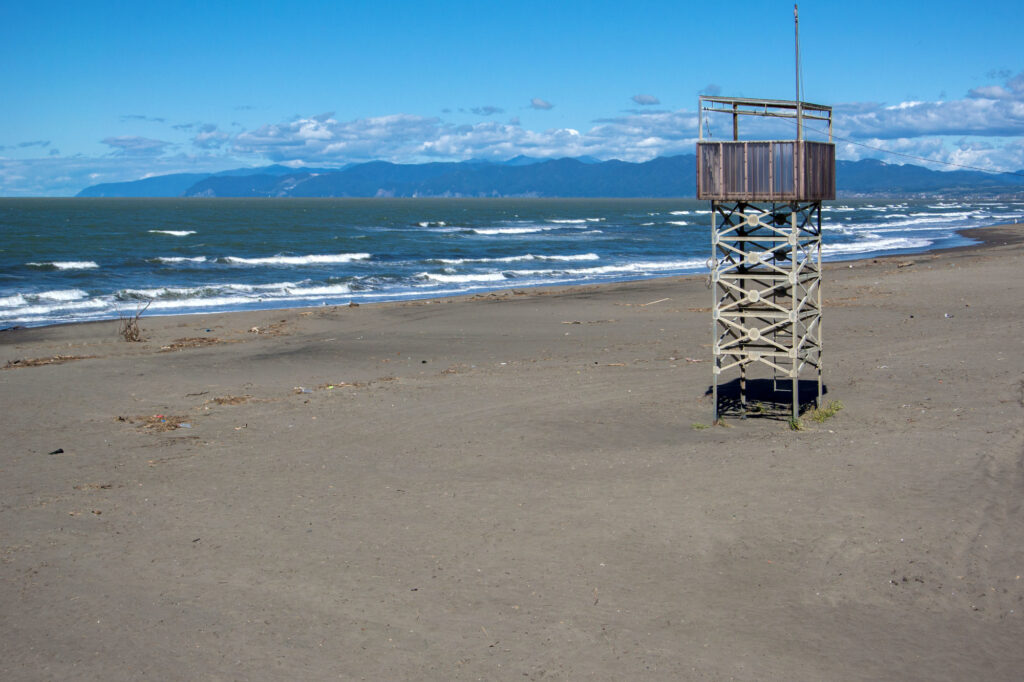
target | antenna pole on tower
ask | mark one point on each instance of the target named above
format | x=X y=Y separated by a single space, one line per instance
x=799 y=102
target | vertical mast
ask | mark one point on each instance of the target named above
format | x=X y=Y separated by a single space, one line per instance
x=799 y=103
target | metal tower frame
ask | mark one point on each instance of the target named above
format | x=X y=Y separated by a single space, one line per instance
x=766 y=247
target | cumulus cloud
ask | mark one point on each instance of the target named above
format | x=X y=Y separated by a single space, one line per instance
x=970 y=131
x=646 y=100
x=408 y=138
x=209 y=137
x=136 y=146
x=487 y=110
x=1013 y=89
x=323 y=139
x=538 y=103
x=971 y=116
x=983 y=128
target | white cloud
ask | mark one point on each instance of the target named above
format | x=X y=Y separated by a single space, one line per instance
x=1012 y=89
x=538 y=103
x=646 y=100
x=407 y=138
x=209 y=137
x=972 y=116
x=67 y=175
x=985 y=128
x=487 y=110
x=136 y=146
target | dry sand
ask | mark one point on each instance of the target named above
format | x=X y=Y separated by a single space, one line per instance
x=516 y=486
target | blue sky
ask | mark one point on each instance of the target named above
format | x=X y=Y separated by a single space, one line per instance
x=109 y=91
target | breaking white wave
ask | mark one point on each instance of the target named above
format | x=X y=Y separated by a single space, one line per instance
x=179 y=259
x=869 y=245
x=471 y=277
x=62 y=295
x=490 y=231
x=643 y=267
x=516 y=259
x=313 y=259
x=66 y=265
x=43 y=297
x=174 y=233
x=63 y=307
x=331 y=290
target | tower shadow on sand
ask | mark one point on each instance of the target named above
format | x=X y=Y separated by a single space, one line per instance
x=766 y=398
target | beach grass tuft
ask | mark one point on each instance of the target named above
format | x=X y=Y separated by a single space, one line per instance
x=822 y=414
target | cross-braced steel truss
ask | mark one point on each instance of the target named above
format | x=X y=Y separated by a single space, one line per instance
x=766 y=275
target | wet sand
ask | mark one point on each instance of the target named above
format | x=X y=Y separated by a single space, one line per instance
x=521 y=485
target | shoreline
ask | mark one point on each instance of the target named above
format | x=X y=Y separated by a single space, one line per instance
x=521 y=485
x=966 y=233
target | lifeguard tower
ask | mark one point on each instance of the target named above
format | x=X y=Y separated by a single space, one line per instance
x=766 y=245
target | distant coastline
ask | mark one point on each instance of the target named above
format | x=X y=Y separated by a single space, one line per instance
x=522 y=177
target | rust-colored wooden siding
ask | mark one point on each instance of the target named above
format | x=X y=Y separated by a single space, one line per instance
x=778 y=170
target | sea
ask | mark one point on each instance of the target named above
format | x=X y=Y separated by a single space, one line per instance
x=75 y=260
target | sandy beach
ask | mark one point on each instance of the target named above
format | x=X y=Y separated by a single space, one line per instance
x=521 y=485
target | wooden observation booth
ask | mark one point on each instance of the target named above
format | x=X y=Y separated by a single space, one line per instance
x=766 y=245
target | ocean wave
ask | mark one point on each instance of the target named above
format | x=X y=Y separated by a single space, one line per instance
x=530 y=228
x=516 y=259
x=641 y=267
x=62 y=295
x=65 y=265
x=313 y=259
x=212 y=302
x=212 y=290
x=680 y=223
x=462 y=279
x=880 y=244
x=330 y=290
x=170 y=260
x=56 y=296
x=174 y=233
x=491 y=231
x=432 y=223
x=64 y=307
x=907 y=222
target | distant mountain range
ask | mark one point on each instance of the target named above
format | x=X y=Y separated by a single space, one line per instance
x=673 y=176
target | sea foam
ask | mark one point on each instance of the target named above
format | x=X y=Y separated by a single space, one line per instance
x=66 y=265
x=170 y=260
x=517 y=259
x=313 y=259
